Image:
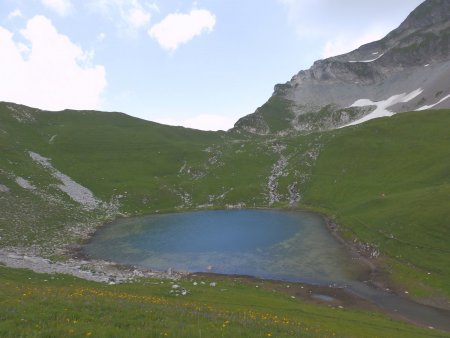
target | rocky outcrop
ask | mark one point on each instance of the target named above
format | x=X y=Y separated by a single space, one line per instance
x=75 y=191
x=276 y=172
x=415 y=57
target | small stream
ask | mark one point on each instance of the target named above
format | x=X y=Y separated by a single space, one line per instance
x=279 y=245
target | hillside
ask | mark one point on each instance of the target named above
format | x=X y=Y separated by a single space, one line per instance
x=128 y=165
x=388 y=183
x=361 y=138
x=379 y=180
x=384 y=185
x=59 y=305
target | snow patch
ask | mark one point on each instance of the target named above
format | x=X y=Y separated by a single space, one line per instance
x=381 y=109
x=74 y=190
x=372 y=60
x=432 y=105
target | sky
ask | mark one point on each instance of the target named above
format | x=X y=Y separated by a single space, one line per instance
x=200 y=64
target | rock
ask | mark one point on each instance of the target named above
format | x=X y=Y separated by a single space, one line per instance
x=4 y=188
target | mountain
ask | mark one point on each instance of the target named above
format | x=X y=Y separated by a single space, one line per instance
x=405 y=71
x=383 y=186
x=63 y=174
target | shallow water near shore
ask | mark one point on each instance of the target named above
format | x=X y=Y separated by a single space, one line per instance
x=294 y=246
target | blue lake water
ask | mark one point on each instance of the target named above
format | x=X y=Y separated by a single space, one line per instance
x=262 y=243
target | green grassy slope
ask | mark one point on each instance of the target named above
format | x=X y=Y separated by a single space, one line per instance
x=38 y=305
x=272 y=117
x=387 y=183
x=113 y=153
x=144 y=166
x=106 y=151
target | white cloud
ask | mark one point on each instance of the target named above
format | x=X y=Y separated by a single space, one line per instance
x=129 y=15
x=101 y=37
x=201 y=122
x=15 y=14
x=62 y=7
x=137 y=17
x=177 y=28
x=49 y=71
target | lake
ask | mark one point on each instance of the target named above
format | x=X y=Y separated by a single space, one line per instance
x=293 y=246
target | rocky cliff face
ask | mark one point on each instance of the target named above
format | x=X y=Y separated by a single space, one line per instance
x=406 y=70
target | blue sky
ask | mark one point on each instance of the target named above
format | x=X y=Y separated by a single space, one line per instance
x=201 y=64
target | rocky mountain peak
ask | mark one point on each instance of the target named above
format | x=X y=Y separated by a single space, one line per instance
x=428 y=14
x=406 y=70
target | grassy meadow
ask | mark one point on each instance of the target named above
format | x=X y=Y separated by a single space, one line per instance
x=385 y=182
x=39 y=305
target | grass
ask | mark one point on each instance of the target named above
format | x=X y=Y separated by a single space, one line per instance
x=56 y=305
x=276 y=114
x=386 y=183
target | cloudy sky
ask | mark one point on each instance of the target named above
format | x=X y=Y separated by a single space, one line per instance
x=201 y=64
